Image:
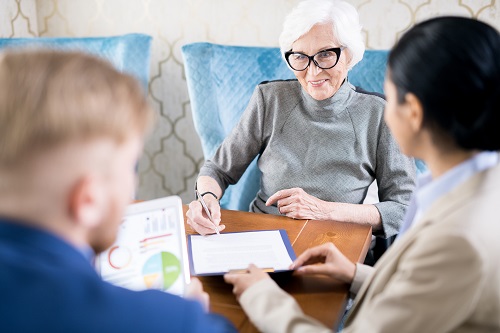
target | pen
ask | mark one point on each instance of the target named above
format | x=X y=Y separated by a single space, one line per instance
x=244 y=270
x=204 y=205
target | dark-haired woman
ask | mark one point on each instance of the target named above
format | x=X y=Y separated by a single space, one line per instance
x=443 y=273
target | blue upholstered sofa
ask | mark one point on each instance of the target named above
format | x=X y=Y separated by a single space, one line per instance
x=128 y=53
x=221 y=79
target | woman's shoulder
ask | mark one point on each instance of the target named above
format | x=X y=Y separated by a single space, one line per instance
x=280 y=93
x=365 y=107
x=369 y=97
x=279 y=86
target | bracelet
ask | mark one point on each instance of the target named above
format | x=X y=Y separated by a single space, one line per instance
x=208 y=192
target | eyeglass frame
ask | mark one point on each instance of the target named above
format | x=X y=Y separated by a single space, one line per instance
x=337 y=50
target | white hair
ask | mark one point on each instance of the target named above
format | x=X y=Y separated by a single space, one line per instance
x=343 y=17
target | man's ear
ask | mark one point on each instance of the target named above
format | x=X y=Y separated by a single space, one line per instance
x=86 y=201
x=416 y=112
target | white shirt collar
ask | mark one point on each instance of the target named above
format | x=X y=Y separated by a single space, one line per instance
x=429 y=190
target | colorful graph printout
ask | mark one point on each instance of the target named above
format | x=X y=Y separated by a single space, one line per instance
x=149 y=252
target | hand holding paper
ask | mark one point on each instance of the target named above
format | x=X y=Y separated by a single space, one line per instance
x=195 y=292
x=242 y=282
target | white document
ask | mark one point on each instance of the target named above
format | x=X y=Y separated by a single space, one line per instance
x=218 y=254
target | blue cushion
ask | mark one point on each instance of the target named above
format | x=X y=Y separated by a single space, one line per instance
x=369 y=73
x=221 y=79
x=128 y=53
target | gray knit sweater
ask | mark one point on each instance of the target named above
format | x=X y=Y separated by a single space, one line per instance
x=333 y=149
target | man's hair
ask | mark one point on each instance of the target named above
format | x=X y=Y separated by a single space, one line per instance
x=48 y=98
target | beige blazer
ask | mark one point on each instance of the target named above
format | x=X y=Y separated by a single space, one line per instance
x=443 y=275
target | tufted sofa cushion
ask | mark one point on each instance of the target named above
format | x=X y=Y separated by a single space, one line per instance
x=221 y=79
x=128 y=53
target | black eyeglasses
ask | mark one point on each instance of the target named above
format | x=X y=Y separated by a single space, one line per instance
x=325 y=59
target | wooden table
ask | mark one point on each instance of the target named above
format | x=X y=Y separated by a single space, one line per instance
x=318 y=297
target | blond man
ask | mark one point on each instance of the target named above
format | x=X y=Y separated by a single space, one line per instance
x=71 y=131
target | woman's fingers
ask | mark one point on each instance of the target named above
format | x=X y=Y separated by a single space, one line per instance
x=314 y=255
x=280 y=195
x=198 y=220
x=243 y=281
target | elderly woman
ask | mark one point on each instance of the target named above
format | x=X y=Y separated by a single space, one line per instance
x=442 y=274
x=321 y=141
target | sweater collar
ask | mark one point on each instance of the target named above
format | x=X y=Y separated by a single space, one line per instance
x=332 y=106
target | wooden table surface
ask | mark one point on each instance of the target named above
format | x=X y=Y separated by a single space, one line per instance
x=318 y=297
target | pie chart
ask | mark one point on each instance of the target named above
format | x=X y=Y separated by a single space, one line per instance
x=161 y=270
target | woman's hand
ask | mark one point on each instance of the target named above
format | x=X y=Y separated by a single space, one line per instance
x=194 y=291
x=198 y=219
x=325 y=259
x=297 y=204
x=243 y=281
